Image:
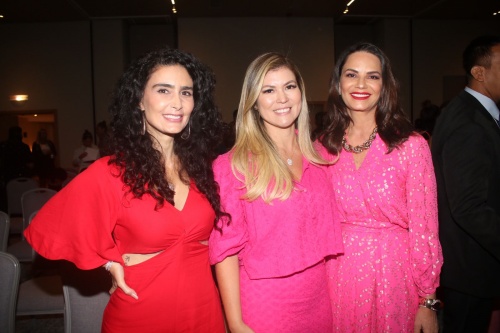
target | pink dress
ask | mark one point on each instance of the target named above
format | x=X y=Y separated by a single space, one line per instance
x=281 y=249
x=388 y=214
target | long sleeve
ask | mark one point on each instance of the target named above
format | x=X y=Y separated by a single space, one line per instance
x=421 y=194
x=77 y=223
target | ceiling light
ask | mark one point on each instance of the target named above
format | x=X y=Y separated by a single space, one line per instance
x=347 y=7
x=18 y=98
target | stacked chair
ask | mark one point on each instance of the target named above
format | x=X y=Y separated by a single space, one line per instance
x=80 y=296
x=15 y=189
x=31 y=201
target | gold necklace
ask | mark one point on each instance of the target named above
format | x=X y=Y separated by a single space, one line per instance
x=364 y=146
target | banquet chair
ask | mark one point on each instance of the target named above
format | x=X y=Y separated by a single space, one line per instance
x=31 y=201
x=22 y=250
x=10 y=271
x=42 y=294
x=4 y=231
x=85 y=297
x=15 y=189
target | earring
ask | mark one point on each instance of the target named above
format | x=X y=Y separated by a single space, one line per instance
x=185 y=136
x=143 y=123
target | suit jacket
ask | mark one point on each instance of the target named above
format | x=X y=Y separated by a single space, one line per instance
x=466 y=156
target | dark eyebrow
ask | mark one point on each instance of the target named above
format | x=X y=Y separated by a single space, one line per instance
x=171 y=86
x=355 y=71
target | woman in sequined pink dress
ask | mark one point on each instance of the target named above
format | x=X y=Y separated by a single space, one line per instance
x=385 y=198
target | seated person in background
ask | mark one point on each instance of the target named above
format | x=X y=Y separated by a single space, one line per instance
x=428 y=115
x=103 y=139
x=57 y=178
x=86 y=154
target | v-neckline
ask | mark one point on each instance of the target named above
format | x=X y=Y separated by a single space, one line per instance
x=356 y=168
x=181 y=209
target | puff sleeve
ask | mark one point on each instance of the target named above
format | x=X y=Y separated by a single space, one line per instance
x=77 y=223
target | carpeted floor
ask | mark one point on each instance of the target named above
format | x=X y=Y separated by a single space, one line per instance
x=43 y=323
x=40 y=324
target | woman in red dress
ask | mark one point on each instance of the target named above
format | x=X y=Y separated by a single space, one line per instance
x=145 y=213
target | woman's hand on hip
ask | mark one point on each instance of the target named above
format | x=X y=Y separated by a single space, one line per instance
x=118 y=280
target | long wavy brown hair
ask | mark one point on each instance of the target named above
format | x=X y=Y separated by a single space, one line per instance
x=393 y=125
x=142 y=166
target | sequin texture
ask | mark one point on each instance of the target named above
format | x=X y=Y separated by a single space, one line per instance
x=388 y=213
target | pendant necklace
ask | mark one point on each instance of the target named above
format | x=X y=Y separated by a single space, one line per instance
x=364 y=146
x=289 y=160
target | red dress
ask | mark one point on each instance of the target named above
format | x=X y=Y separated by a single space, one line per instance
x=92 y=220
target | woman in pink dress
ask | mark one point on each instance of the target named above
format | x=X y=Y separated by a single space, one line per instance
x=270 y=257
x=385 y=198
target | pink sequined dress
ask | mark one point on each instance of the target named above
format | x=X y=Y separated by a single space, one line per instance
x=388 y=214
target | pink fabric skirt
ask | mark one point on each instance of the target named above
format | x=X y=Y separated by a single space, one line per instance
x=371 y=284
x=294 y=304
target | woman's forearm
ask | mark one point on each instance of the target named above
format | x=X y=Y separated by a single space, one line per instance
x=228 y=278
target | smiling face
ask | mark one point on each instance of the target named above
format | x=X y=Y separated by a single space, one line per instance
x=167 y=101
x=280 y=99
x=361 y=82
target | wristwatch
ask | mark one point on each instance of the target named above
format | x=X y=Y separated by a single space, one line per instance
x=431 y=304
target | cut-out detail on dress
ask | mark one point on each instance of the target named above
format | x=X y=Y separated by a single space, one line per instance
x=132 y=259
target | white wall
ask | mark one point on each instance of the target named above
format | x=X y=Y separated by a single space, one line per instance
x=228 y=45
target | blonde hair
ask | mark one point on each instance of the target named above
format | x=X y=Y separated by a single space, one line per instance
x=255 y=156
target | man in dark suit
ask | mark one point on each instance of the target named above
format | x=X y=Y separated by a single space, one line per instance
x=466 y=155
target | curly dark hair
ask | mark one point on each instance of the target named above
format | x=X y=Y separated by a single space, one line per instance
x=142 y=167
x=393 y=125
